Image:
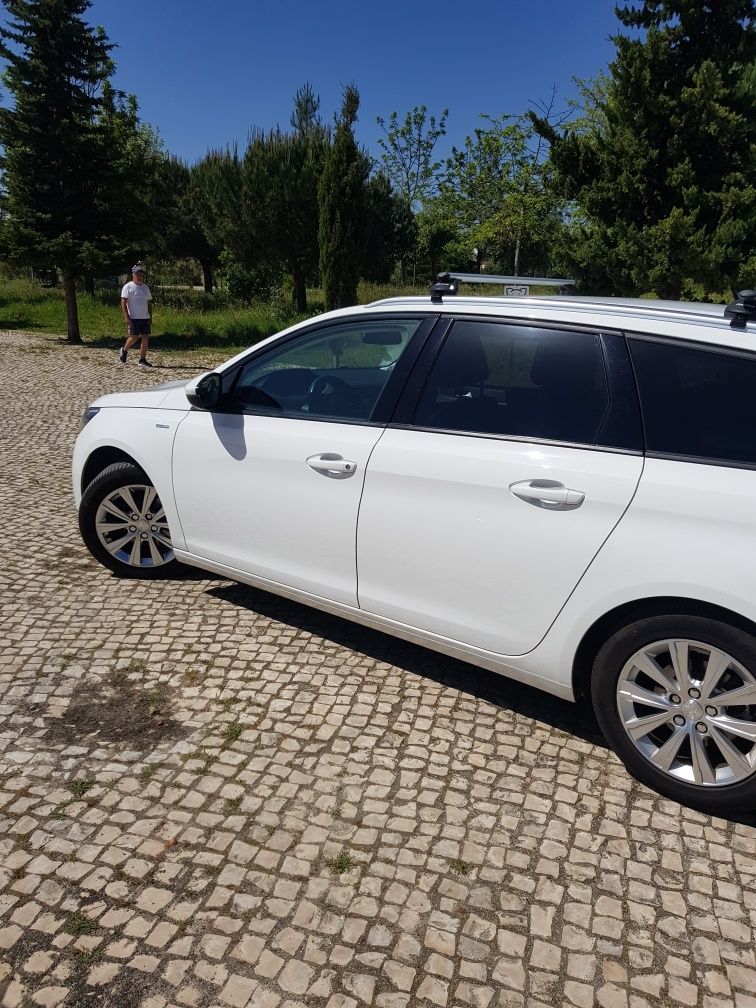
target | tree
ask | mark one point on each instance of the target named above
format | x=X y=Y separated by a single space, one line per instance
x=58 y=161
x=389 y=230
x=280 y=176
x=182 y=236
x=407 y=158
x=661 y=164
x=341 y=202
x=496 y=193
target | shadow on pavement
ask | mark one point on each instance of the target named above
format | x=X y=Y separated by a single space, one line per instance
x=475 y=682
x=459 y=675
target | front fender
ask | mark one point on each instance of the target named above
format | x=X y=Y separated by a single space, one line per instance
x=146 y=436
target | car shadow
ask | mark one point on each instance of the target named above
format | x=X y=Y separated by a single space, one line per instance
x=574 y=719
x=451 y=672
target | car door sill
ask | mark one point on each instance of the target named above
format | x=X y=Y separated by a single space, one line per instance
x=502 y=664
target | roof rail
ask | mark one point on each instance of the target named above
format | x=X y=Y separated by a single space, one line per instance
x=742 y=310
x=448 y=283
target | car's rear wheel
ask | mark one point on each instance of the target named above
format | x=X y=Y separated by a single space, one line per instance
x=676 y=698
x=123 y=523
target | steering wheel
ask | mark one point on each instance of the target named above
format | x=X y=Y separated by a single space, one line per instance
x=330 y=395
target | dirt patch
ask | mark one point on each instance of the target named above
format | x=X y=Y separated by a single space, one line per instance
x=121 y=709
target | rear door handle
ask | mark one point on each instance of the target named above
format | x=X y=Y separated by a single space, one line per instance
x=330 y=464
x=548 y=494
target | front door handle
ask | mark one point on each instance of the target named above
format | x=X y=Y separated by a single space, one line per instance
x=330 y=464
x=548 y=494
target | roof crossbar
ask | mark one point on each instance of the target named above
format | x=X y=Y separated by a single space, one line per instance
x=448 y=283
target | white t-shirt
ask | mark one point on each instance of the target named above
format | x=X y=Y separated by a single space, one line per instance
x=137 y=296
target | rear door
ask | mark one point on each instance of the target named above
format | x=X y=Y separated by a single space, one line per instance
x=487 y=499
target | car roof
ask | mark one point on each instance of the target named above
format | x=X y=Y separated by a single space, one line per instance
x=699 y=322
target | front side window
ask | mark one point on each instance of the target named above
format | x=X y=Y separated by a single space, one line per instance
x=696 y=403
x=495 y=378
x=337 y=372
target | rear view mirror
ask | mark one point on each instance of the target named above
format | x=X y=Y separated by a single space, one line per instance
x=383 y=337
x=204 y=391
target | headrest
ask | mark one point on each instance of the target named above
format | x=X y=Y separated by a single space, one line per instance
x=462 y=361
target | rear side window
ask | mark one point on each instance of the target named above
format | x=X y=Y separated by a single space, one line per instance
x=496 y=378
x=697 y=403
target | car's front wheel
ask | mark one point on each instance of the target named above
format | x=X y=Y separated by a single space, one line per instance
x=123 y=523
x=676 y=698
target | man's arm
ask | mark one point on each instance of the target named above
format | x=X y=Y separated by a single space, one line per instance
x=149 y=308
x=125 y=310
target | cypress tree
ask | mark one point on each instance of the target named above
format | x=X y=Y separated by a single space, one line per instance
x=341 y=195
x=664 y=164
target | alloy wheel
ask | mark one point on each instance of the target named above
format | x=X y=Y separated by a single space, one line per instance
x=130 y=523
x=690 y=709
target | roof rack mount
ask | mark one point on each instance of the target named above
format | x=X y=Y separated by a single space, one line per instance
x=742 y=310
x=448 y=283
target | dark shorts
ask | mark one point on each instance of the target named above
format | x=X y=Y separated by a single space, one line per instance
x=140 y=326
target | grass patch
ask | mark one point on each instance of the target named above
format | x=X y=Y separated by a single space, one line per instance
x=233 y=731
x=79 y=788
x=233 y=804
x=341 y=864
x=90 y=957
x=460 y=867
x=78 y=924
x=146 y=773
x=184 y=319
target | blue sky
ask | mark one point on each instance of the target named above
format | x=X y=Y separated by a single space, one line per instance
x=204 y=73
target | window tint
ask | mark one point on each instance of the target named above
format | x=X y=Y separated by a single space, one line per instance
x=493 y=378
x=335 y=373
x=699 y=403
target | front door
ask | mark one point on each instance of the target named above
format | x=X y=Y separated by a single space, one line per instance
x=269 y=483
x=482 y=512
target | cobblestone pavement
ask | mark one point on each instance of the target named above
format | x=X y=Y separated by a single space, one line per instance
x=213 y=797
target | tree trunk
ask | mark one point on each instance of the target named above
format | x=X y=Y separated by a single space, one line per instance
x=72 y=311
x=207 y=275
x=300 y=290
x=89 y=283
x=402 y=272
x=517 y=257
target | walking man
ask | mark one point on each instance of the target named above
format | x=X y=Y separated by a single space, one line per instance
x=136 y=305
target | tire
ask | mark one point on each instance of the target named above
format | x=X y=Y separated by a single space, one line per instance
x=689 y=751
x=110 y=531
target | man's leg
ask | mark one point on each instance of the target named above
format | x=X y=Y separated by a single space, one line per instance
x=145 y=340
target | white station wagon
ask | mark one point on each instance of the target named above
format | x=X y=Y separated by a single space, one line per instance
x=560 y=489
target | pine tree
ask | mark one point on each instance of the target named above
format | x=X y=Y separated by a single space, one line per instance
x=57 y=163
x=663 y=165
x=341 y=196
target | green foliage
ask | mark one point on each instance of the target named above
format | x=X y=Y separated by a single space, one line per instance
x=389 y=231
x=341 y=864
x=184 y=319
x=180 y=232
x=407 y=152
x=341 y=200
x=77 y=165
x=661 y=163
x=496 y=198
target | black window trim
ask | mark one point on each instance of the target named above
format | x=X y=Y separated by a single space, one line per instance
x=410 y=398
x=686 y=344
x=389 y=395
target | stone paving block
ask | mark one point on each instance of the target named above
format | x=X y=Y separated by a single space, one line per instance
x=238 y=752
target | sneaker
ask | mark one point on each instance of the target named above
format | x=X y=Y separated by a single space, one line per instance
x=122 y=357
x=143 y=362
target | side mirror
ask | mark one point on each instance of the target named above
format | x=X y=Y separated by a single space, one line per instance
x=204 y=391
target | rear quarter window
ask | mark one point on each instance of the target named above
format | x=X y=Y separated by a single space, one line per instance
x=696 y=403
